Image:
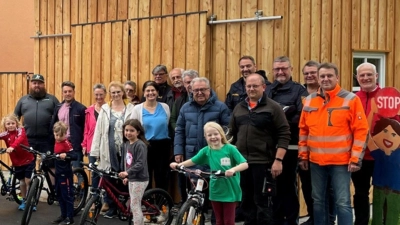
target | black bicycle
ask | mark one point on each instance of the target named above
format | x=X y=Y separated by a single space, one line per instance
x=156 y=203
x=9 y=186
x=43 y=174
x=191 y=212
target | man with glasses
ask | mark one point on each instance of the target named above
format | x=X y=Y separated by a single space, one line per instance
x=237 y=92
x=160 y=74
x=130 y=90
x=289 y=95
x=261 y=133
x=177 y=89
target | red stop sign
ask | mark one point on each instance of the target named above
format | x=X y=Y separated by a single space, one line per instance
x=388 y=102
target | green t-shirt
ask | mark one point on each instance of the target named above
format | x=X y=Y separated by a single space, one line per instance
x=226 y=189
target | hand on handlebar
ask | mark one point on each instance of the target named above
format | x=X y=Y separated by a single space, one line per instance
x=62 y=156
x=230 y=173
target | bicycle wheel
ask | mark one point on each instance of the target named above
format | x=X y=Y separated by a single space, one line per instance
x=158 y=204
x=31 y=201
x=190 y=214
x=89 y=214
x=81 y=187
x=15 y=191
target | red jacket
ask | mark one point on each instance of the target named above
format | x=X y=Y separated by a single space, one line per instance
x=19 y=156
x=90 y=125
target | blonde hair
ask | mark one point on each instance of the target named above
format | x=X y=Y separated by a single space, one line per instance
x=12 y=117
x=218 y=128
x=60 y=128
x=118 y=84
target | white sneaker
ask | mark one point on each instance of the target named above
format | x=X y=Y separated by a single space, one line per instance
x=160 y=218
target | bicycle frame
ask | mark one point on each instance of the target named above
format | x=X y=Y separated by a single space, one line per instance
x=110 y=189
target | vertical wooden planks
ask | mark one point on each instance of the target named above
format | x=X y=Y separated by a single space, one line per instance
x=86 y=77
x=265 y=49
x=92 y=10
x=42 y=41
x=365 y=26
x=336 y=33
x=50 y=47
x=305 y=37
x=293 y=37
x=83 y=11
x=326 y=31
x=205 y=39
x=346 y=58
x=76 y=77
x=37 y=46
x=279 y=29
x=58 y=73
x=144 y=71
x=179 y=34
x=122 y=10
x=11 y=101
x=315 y=42
x=233 y=44
x=112 y=10
x=249 y=29
x=219 y=50
x=96 y=56
x=116 y=56
x=192 y=36
x=106 y=53
x=168 y=33
x=373 y=24
x=390 y=70
x=396 y=82
x=66 y=28
x=102 y=7
x=125 y=51
x=382 y=25
x=155 y=34
x=134 y=41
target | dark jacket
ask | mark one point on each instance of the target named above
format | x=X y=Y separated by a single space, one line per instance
x=179 y=102
x=237 y=92
x=257 y=133
x=76 y=123
x=37 y=115
x=189 y=134
x=289 y=94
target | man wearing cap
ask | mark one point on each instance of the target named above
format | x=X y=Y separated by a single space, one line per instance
x=37 y=109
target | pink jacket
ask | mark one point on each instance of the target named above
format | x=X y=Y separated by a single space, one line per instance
x=90 y=126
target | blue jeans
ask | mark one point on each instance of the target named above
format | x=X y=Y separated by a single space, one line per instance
x=340 y=178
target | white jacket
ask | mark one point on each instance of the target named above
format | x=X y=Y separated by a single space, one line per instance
x=100 y=147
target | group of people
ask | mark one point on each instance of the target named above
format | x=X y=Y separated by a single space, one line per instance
x=275 y=126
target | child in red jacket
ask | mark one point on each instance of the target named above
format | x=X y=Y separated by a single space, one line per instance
x=14 y=134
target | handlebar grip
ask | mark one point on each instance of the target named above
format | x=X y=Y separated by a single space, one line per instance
x=2 y=150
x=25 y=147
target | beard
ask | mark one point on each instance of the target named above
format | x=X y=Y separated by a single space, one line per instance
x=38 y=94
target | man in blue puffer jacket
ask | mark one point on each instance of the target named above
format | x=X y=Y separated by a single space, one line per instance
x=204 y=107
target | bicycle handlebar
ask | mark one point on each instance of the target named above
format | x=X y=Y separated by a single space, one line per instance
x=43 y=156
x=108 y=173
x=3 y=150
x=215 y=173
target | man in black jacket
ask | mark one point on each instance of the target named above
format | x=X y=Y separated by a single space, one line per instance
x=237 y=92
x=261 y=133
x=160 y=74
x=72 y=113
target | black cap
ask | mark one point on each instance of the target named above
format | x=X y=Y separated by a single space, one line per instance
x=37 y=77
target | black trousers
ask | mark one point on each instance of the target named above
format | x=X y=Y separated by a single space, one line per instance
x=158 y=159
x=362 y=183
x=285 y=204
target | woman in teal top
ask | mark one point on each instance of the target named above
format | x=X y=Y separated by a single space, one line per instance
x=220 y=155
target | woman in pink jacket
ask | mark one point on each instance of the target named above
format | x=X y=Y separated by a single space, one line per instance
x=92 y=112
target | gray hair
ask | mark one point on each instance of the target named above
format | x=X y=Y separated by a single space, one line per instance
x=367 y=63
x=100 y=86
x=200 y=79
x=159 y=68
x=310 y=63
x=282 y=59
x=190 y=73
x=130 y=83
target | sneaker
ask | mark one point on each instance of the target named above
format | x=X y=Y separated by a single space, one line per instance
x=67 y=221
x=58 y=220
x=34 y=208
x=110 y=214
x=160 y=218
x=22 y=206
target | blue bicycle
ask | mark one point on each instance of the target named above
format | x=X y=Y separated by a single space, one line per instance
x=10 y=186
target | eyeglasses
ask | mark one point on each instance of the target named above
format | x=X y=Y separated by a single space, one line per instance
x=129 y=90
x=115 y=92
x=310 y=73
x=159 y=74
x=202 y=90
x=254 y=86
x=281 y=68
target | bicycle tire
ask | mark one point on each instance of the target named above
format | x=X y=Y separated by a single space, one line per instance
x=31 y=201
x=190 y=214
x=90 y=216
x=80 y=189
x=15 y=190
x=162 y=201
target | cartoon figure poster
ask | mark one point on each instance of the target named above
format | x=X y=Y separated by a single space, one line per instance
x=384 y=144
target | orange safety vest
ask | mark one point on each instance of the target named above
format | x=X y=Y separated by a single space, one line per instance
x=333 y=128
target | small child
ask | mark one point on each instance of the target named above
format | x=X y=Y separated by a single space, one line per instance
x=64 y=174
x=136 y=171
x=220 y=155
x=23 y=161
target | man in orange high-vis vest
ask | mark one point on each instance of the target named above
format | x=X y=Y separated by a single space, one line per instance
x=333 y=132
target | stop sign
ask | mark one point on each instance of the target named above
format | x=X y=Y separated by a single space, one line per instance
x=388 y=102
